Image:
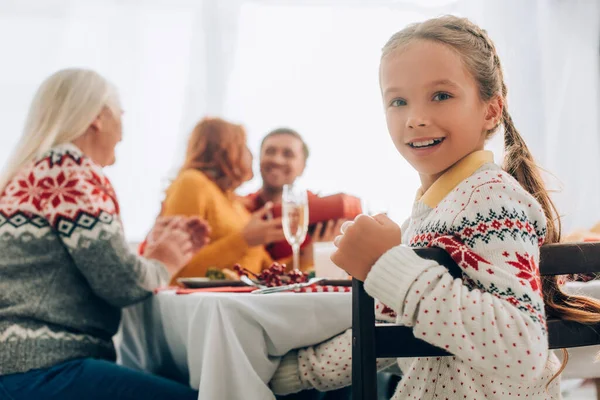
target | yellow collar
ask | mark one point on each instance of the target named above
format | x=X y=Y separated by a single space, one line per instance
x=455 y=175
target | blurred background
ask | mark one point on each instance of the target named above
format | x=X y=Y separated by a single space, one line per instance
x=308 y=65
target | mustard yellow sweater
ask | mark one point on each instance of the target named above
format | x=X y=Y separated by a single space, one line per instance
x=193 y=193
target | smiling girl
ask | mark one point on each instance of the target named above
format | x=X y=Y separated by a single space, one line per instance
x=444 y=95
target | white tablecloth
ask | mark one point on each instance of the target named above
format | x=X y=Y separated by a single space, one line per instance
x=227 y=345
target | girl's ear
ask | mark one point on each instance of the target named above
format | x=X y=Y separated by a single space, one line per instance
x=493 y=115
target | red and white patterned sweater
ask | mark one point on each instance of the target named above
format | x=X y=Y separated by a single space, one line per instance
x=65 y=267
x=492 y=320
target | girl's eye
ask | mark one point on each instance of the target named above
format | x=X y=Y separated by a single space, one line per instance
x=398 y=103
x=441 y=96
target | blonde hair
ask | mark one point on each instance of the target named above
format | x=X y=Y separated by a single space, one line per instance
x=481 y=59
x=63 y=108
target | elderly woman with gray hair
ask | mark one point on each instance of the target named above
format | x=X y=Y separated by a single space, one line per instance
x=65 y=267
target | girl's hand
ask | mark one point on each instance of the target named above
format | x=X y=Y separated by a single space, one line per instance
x=363 y=242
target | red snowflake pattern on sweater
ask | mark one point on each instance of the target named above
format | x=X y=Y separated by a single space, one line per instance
x=492 y=320
x=460 y=253
x=64 y=188
x=28 y=191
x=528 y=270
x=60 y=189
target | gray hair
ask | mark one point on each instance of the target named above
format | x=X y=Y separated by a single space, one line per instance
x=62 y=109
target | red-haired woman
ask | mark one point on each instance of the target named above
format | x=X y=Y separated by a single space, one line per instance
x=217 y=162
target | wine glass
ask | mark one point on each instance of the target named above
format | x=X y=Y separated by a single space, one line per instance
x=295 y=218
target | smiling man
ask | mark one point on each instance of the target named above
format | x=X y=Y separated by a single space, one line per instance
x=283 y=156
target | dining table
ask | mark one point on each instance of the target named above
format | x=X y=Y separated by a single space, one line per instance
x=227 y=345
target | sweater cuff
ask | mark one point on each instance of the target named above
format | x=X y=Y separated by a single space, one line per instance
x=393 y=274
x=163 y=275
x=286 y=379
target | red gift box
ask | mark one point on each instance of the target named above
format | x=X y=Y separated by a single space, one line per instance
x=336 y=206
x=320 y=209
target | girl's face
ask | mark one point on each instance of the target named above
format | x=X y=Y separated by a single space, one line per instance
x=434 y=114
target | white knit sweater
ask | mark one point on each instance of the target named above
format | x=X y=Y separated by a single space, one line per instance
x=492 y=320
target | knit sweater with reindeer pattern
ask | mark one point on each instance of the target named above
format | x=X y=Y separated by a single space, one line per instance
x=492 y=320
x=65 y=267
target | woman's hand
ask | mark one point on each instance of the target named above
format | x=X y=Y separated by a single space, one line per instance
x=174 y=241
x=260 y=231
x=332 y=229
x=199 y=232
x=363 y=242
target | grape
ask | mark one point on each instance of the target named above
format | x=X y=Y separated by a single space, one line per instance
x=275 y=275
x=241 y=271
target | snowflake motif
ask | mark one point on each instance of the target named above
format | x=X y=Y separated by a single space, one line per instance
x=27 y=191
x=528 y=270
x=102 y=190
x=69 y=188
x=460 y=253
x=60 y=190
